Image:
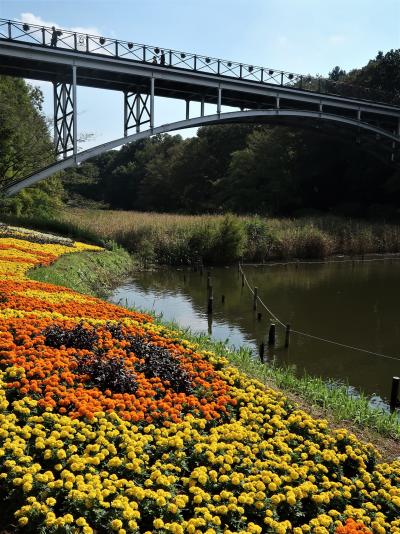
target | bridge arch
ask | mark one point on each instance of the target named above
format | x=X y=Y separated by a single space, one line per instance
x=265 y=115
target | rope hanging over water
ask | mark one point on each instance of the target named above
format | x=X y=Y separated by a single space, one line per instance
x=323 y=262
x=306 y=334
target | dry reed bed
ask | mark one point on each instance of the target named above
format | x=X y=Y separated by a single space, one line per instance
x=182 y=239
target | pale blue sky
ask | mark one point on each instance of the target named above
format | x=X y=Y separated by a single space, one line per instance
x=304 y=36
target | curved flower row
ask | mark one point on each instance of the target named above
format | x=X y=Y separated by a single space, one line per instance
x=110 y=423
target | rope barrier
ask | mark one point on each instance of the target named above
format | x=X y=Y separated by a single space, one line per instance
x=322 y=262
x=305 y=334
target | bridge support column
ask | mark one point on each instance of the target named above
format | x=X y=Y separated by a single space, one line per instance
x=75 y=114
x=65 y=124
x=219 y=100
x=152 y=103
x=138 y=108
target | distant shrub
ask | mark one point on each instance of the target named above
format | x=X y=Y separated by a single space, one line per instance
x=261 y=244
x=230 y=240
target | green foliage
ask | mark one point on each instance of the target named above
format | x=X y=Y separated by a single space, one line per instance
x=42 y=201
x=337 y=74
x=24 y=140
x=261 y=243
x=381 y=74
x=25 y=146
x=228 y=244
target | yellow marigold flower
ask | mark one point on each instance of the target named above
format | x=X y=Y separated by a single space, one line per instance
x=116 y=524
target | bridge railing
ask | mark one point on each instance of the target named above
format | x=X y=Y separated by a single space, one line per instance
x=96 y=44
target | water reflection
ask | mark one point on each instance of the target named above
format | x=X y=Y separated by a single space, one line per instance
x=355 y=304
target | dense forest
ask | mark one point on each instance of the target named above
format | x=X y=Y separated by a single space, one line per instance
x=258 y=168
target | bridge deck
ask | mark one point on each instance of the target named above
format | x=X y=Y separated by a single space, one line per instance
x=95 y=70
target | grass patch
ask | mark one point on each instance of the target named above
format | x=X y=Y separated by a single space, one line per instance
x=92 y=273
x=183 y=239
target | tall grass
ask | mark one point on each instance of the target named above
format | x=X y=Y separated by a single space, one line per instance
x=184 y=239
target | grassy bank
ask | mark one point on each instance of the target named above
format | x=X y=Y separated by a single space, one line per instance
x=87 y=272
x=92 y=273
x=183 y=239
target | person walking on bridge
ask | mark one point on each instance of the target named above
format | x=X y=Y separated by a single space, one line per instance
x=162 y=58
x=54 y=36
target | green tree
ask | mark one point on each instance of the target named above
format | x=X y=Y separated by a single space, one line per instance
x=25 y=146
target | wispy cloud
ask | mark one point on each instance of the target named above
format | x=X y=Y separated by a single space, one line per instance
x=30 y=18
x=337 y=39
x=282 y=41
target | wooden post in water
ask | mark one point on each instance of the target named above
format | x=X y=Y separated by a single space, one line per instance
x=209 y=323
x=259 y=316
x=184 y=278
x=287 y=336
x=208 y=280
x=394 y=394
x=201 y=269
x=262 y=352
x=242 y=280
x=222 y=299
x=210 y=300
x=255 y=298
x=272 y=335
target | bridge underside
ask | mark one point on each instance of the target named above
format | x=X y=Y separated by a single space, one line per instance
x=366 y=135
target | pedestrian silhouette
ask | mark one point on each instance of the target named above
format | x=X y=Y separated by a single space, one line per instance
x=54 y=36
x=154 y=60
x=162 y=58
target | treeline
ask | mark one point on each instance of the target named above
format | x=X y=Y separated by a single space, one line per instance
x=252 y=168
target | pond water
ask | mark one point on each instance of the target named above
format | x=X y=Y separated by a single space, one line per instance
x=354 y=303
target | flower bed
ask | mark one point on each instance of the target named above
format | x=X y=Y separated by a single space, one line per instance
x=110 y=423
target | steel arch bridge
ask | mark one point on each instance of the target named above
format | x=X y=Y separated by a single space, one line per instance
x=142 y=73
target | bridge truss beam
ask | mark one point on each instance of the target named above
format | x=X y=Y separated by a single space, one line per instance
x=138 y=109
x=65 y=117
